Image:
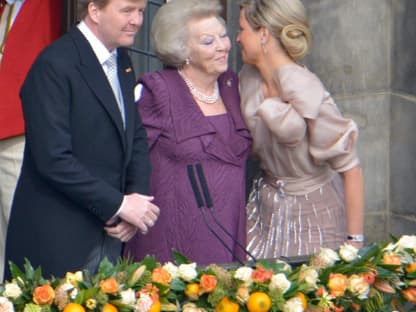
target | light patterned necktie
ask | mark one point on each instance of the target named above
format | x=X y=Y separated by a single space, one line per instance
x=113 y=79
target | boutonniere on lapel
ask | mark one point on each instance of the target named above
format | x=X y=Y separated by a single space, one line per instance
x=128 y=70
x=229 y=83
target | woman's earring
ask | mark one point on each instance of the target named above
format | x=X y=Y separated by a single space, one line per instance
x=187 y=61
x=263 y=46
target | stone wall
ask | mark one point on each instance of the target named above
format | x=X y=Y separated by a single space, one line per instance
x=364 y=53
x=403 y=115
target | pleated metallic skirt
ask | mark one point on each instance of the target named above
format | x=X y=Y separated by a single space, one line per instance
x=294 y=225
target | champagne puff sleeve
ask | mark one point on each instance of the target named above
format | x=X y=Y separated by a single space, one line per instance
x=332 y=138
x=282 y=120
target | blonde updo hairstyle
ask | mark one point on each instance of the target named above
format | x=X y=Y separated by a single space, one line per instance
x=169 y=31
x=285 y=19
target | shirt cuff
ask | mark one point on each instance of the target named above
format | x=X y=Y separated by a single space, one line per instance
x=114 y=220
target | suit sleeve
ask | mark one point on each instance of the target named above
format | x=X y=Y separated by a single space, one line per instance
x=138 y=171
x=49 y=142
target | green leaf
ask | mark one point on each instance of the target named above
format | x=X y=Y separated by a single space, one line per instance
x=15 y=271
x=29 y=271
x=105 y=268
x=150 y=262
x=177 y=285
x=180 y=258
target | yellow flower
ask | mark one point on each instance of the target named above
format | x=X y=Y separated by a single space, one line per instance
x=337 y=284
x=391 y=259
x=74 y=278
x=91 y=303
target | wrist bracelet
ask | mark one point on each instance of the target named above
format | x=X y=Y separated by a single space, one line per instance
x=357 y=238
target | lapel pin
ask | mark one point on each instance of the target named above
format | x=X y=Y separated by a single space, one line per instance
x=229 y=82
x=128 y=69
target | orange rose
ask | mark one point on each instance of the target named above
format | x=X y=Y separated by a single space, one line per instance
x=337 y=284
x=43 y=294
x=161 y=276
x=261 y=275
x=207 y=283
x=410 y=294
x=411 y=267
x=392 y=259
x=109 y=286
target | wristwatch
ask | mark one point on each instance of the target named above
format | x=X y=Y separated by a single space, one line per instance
x=357 y=238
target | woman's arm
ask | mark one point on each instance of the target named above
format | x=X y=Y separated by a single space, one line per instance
x=354 y=203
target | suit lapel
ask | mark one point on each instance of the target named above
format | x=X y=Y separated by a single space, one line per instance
x=94 y=76
x=127 y=80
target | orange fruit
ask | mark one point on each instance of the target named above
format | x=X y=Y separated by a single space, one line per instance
x=411 y=267
x=108 y=307
x=74 y=307
x=259 y=302
x=302 y=298
x=155 y=306
x=192 y=291
x=226 y=305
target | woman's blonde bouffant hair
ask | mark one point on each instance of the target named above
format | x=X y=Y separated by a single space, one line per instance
x=169 y=31
x=285 y=19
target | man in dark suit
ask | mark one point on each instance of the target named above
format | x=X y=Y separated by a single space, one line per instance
x=85 y=167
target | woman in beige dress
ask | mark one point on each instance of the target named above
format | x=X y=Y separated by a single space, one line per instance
x=310 y=191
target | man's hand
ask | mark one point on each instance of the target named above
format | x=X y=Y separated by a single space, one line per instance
x=139 y=211
x=124 y=231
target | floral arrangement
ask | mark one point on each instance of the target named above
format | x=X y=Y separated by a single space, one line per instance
x=378 y=277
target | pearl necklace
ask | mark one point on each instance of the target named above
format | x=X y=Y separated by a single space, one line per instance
x=208 y=99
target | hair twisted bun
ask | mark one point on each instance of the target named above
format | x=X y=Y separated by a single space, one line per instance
x=296 y=39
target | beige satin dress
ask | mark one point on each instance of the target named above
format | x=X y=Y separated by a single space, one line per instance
x=302 y=141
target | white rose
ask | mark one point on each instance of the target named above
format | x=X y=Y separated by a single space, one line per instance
x=190 y=307
x=144 y=303
x=128 y=296
x=172 y=269
x=6 y=305
x=187 y=272
x=309 y=276
x=293 y=305
x=73 y=294
x=407 y=241
x=348 y=252
x=279 y=282
x=326 y=257
x=244 y=274
x=358 y=286
x=12 y=290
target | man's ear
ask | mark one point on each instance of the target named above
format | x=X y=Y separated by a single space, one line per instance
x=93 y=11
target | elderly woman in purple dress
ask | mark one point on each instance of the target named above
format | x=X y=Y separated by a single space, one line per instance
x=191 y=111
